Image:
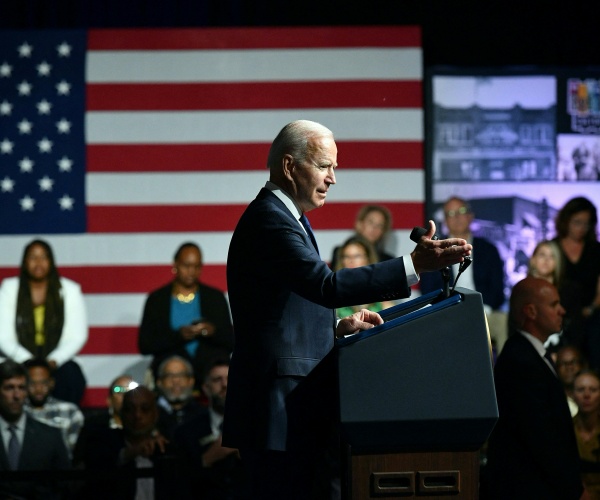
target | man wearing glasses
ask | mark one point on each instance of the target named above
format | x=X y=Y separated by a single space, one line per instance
x=486 y=274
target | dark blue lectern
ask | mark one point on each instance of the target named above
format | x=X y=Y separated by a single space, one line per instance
x=417 y=399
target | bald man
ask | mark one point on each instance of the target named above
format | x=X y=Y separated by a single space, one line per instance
x=532 y=452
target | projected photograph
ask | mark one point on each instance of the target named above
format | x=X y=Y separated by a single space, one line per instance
x=517 y=147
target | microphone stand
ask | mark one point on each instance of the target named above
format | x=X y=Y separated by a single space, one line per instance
x=446 y=279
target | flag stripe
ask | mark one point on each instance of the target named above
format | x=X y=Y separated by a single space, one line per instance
x=240 y=156
x=263 y=95
x=235 y=66
x=112 y=340
x=138 y=127
x=265 y=38
x=230 y=188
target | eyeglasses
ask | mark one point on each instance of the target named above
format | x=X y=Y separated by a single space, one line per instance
x=355 y=256
x=121 y=389
x=170 y=376
x=458 y=211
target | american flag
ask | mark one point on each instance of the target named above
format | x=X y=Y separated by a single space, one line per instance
x=118 y=145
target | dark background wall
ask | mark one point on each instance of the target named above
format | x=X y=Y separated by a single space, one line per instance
x=459 y=32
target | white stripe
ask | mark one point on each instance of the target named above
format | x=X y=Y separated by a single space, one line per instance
x=157 y=248
x=118 y=309
x=254 y=65
x=224 y=188
x=100 y=370
x=118 y=249
x=189 y=127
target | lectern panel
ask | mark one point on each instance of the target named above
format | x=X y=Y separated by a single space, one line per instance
x=423 y=380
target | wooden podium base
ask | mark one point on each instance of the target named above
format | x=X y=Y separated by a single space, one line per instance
x=430 y=475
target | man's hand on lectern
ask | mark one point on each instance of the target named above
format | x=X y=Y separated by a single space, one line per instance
x=361 y=320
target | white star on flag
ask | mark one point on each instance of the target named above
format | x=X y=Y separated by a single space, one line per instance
x=45 y=145
x=44 y=107
x=5 y=70
x=63 y=88
x=64 y=164
x=46 y=183
x=7 y=185
x=6 y=146
x=24 y=88
x=26 y=165
x=5 y=108
x=25 y=50
x=64 y=50
x=27 y=203
x=66 y=202
x=63 y=126
x=24 y=126
x=43 y=68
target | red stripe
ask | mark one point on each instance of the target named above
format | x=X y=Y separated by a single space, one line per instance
x=167 y=218
x=111 y=340
x=254 y=38
x=405 y=215
x=163 y=219
x=238 y=156
x=94 y=397
x=255 y=95
x=128 y=279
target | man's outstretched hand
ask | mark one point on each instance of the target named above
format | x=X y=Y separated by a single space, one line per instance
x=431 y=255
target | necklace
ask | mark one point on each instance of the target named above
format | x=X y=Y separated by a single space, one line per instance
x=186 y=299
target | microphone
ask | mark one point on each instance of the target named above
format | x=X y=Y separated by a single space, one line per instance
x=461 y=268
x=418 y=232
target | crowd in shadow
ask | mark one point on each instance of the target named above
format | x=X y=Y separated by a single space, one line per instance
x=162 y=435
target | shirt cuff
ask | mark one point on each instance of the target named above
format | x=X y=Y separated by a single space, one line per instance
x=412 y=278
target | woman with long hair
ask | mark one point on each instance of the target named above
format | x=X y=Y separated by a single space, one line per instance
x=43 y=315
x=580 y=282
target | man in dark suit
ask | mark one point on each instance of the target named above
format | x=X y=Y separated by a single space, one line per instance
x=34 y=445
x=486 y=274
x=215 y=471
x=532 y=452
x=283 y=299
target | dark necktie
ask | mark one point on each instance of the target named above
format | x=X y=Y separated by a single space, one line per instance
x=548 y=356
x=14 y=448
x=306 y=224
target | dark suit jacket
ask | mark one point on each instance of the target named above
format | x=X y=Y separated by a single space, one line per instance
x=156 y=336
x=488 y=274
x=223 y=479
x=282 y=298
x=532 y=452
x=102 y=455
x=43 y=448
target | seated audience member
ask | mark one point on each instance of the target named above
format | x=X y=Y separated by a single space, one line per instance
x=43 y=315
x=532 y=451
x=356 y=252
x=44 y=407
x=216 y=470
x=176 y=402
x=569 y=362
x=545 y=262
x=586 y=392
x=26 y=443
x=186 y=317
x=138 y=445
x=486 y=274
x=373 y=223
x=102 y=420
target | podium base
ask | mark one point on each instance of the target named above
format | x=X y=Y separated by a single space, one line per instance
x=431 y=475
